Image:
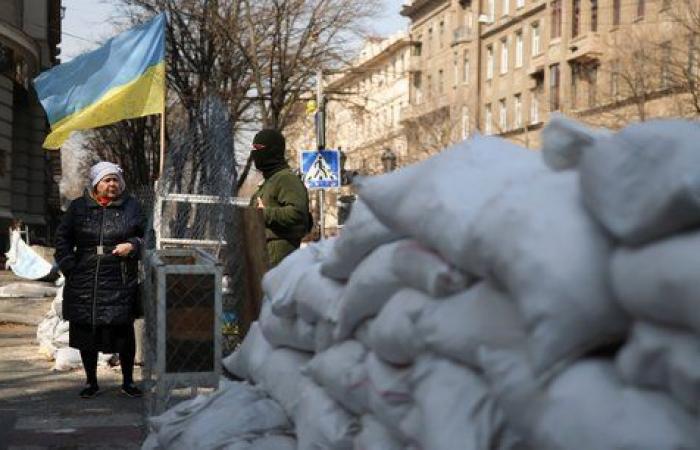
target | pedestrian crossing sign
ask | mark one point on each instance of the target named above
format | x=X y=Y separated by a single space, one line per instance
x=320 y=168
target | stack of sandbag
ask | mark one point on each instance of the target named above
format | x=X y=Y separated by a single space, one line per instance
x=235 y=417
x=643 y=187
x=52 y=335
x=474 y=301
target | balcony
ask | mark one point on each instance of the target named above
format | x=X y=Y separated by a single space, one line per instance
x=462 y=34
x=414 y=63
x=587 y=48
x=427 y=106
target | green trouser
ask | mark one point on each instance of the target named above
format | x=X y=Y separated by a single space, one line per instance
x=278 y=249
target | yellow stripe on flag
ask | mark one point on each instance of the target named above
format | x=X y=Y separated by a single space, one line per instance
x=141 y=97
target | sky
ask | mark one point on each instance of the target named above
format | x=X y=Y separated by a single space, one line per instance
x=88 y=22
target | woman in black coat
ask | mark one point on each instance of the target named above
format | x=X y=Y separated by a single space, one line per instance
x=97 y=248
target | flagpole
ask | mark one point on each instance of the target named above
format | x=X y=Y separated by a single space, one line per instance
x=162 y=113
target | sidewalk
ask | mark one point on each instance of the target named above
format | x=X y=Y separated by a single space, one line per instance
x=40 y=409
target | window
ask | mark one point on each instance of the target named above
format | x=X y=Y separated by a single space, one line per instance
x=554 y=80
x=519 y=49
x=576 y=18
x=692 y=56
x=441 y=34
x=418 y=88
x=429 y=90
x=640 y=8
x=455 y=69
x=535 y=39
x=441 y=82
x=519 y=3
x=429 y=47
x=665 y=64
x=488 y=126
x=465 y=122
x=492 y=9
x=518 y=111
x=489 y=62
x=556 y=19
x=615 y=79
x=594 y=15
x=506 y=7
x=418 y=48
x=535 y=107
x=575 y=75
x=592 y=85
x=616 y=11
x=465 y=67
x=502 y=116
x=504 y=55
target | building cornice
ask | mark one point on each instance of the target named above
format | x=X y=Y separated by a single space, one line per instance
x=417 y=7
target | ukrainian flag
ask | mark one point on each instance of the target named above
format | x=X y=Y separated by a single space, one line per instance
x=124 y=78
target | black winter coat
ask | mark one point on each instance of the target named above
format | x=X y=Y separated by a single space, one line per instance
x=100 y=288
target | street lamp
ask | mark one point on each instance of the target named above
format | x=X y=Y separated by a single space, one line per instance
x=388 y=160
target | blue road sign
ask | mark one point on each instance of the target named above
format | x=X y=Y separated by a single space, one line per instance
x=321 y=169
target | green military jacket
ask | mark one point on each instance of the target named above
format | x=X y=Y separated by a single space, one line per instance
x=286 y=212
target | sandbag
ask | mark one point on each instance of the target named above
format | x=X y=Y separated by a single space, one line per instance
x=25 y=262
x=422 y=269
x=316 y=295
x=663 y=358
x=587 y=406
x=393 y=334
x=281 y=378
x=659 y=282
x=458 y=326
x=342 y=373
x=273 y=442
x=436 y=200
x=538 y=242
x=370 y=286
x=320 y=423
x=362 y=233
x=389 y=392
x=641 y=182
x=235 y=411
x=323 y=335
x=28 y=290
x=375 y=436
x=280 y=282
x=455 y=408
x=249 y=357
x=279 y=331
x=67 y=358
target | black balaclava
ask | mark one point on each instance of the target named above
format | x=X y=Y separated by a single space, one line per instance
x=268 y=152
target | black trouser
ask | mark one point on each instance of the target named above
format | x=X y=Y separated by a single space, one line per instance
x=126 y=361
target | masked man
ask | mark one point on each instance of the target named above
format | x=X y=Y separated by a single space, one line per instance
x=282 y=197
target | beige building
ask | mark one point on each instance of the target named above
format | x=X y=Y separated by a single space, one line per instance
x=30 y=31
x=502 y=66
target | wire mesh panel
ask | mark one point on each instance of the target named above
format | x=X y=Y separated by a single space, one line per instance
x=183 y=326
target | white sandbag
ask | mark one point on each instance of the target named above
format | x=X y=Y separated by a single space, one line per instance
x=641 y=182
x=659 y=282
x=316 y=295
x=375 y=436
x=236 y=411
x=362 y=333
x=422 y=269
x=273 y=442
x=280 y=377
x=588 y=407
x=390 y=392
x=342 y=373
x=323 y=335
x=24 y=261
x=663 y=358
x=435 y=201
x=280 y=282
x=393 y=335
x=286 y=332
x=320 y=423
x=457 y=326
x=362 y=233
x=28 y=290
x=249 y=357
x=537 y=241
x=370 y=286
x=455 y=408
x=67 y=358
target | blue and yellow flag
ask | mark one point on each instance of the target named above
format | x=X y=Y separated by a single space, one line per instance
x=124 y=78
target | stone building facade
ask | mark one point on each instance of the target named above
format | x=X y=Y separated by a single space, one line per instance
x=30 y=31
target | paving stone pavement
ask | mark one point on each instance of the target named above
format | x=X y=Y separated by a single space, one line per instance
x=40 y=409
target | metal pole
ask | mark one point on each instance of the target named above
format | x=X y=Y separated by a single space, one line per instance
x=320 y=145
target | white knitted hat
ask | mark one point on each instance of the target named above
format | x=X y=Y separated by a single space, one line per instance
x=104 y=168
